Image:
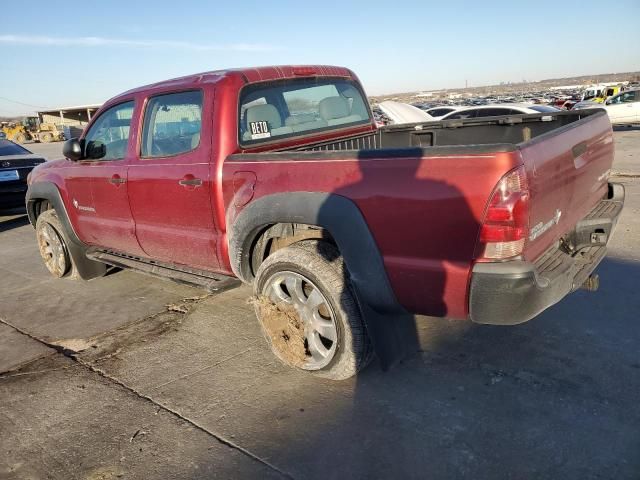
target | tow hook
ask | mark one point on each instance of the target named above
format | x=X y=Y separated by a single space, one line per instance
x=592 y=283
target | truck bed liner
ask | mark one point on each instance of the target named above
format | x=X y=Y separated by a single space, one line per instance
x=512 y=129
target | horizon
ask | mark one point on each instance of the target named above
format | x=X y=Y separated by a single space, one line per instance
x=418 y=49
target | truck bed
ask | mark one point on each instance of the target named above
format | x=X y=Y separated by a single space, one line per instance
x=512 y=129
x=423 y=189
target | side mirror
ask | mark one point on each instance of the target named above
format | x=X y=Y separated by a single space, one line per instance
x=73 y=150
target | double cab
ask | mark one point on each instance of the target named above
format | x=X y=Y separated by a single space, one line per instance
x=280 y=177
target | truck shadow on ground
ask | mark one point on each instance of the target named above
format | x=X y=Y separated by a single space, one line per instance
x=552 y=398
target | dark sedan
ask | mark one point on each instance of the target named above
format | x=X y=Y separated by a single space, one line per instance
x=15 y=164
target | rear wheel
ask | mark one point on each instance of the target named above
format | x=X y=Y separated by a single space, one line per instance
x=309 y=313
x=20 y=138
x=52 y=245
x=46 y=138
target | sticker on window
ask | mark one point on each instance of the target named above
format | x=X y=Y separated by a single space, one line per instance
x=259 y=130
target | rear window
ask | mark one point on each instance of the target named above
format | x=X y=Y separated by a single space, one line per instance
x=291 y=108
x=9 y=148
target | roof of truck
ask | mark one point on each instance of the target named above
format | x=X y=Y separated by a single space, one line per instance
x=250 y=75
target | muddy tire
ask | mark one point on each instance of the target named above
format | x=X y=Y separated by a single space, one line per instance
x=53 y=245
x=46 y=138
x=20 y=138
x=309 y=313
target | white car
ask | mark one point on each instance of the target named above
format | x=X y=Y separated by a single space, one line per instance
x=623 y=109
x=498 y=110
x=400 y=113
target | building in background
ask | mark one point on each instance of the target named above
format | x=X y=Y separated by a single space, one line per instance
x=69 y=116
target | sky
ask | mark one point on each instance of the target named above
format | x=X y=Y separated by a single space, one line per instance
x=52 y=57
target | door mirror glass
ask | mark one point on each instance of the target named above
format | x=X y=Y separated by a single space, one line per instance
x=72 y=149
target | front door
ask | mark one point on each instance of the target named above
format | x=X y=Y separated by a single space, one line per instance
x=170 y=182
x=107 y=146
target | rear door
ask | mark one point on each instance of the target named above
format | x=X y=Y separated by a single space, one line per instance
x=170 y=184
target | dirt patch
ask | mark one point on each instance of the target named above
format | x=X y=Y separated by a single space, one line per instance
x=284 y=330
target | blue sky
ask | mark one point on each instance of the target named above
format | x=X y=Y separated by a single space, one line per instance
x=72 y=56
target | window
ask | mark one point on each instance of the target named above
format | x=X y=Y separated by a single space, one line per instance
x=439 y=112
x=628 y=97
x=172 y=124
x=464 y=114
x=108 y=137
x=297 y=107
x=496 y=112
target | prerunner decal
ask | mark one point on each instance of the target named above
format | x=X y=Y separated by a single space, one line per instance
x=259 y=130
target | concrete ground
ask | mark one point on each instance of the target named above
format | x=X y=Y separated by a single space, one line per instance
x=132 y=377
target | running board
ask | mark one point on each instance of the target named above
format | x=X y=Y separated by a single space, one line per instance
x=201 y=278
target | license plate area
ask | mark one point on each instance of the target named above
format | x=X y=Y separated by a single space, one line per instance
x=9 y=175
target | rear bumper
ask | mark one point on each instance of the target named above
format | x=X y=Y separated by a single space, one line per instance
x=13 y=194
x=513 y=292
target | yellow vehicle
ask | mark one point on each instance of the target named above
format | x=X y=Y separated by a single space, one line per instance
x=31 y=128
x=42 y=132
x=606 y=93
x=14 y=132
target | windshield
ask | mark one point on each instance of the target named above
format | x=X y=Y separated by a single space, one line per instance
x=9 y=148
x=299 y=107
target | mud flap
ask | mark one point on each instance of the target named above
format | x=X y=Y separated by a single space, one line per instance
x=393 y=335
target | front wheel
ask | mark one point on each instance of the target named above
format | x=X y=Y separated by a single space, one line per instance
x=309 y=313
x=52 y=245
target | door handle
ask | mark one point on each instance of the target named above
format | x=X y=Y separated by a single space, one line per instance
x=190 y=181
x=117 y=180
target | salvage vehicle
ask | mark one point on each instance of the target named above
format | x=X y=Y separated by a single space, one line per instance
x=623 y=109
x=16 y=162
x=498 y=109
x=279 y=176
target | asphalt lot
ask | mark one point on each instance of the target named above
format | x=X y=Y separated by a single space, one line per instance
x=112 y=379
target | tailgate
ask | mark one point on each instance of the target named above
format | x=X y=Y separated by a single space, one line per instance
x=568 y=170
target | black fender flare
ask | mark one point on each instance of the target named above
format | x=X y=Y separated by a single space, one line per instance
x=335 y=213
x=391 y=328
x=87 y=269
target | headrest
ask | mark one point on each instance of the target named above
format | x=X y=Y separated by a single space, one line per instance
x=195 y=140
x=333 y=107
x=265 y=113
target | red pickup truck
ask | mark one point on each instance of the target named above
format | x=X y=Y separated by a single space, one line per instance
x=280 y=177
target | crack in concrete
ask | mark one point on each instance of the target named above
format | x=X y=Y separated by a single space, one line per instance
x=220 y=362
x=224 y=441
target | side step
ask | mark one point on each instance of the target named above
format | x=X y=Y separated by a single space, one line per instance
x=210 y=281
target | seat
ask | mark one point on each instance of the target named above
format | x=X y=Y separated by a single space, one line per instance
x=336 y=111
x=265 y=113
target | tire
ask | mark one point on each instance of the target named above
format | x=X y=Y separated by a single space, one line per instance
x=46 y=138
x=333 y=336
x=53 y=245
x=20 y=138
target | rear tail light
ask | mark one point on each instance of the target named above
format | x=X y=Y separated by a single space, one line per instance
x=506 y=221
